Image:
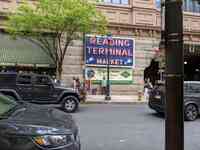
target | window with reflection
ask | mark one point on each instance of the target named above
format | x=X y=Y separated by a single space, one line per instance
x=188 y=5
x=158 y=3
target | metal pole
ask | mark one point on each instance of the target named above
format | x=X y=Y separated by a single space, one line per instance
x=174 y=124
x=108 y=97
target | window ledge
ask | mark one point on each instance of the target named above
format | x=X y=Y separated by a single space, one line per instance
x=191 y=13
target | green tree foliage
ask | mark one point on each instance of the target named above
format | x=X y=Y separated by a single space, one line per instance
x=50 y=22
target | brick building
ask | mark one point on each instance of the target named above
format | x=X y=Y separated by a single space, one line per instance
x=133 y=19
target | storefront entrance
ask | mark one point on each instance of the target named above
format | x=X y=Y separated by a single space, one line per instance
x=192 y=68
x=192 y=62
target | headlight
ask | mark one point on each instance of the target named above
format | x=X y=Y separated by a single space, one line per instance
x=53 y=141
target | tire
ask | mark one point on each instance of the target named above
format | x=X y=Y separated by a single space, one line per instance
x=160 y=113
x=191 y=112
x=70 y=104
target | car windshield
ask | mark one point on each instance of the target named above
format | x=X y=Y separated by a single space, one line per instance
x=6 y=104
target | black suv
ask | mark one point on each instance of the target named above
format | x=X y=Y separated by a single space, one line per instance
x=40 y=89
x=191 y=99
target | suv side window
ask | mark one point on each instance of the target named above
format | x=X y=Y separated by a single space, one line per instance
x=194 y=88
x=24 y=79
x=42 y=80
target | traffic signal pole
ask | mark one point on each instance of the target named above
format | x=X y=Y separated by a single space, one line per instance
x=174 y=125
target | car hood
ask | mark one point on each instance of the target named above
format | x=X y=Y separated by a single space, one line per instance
x=32 y=119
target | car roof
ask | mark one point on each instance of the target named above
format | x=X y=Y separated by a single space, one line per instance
x=193 y=82
x=14 y=74
x=8 y=73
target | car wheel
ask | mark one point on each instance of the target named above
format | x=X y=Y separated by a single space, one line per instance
x=191 y=112
x=70 y=104
x=160 y=113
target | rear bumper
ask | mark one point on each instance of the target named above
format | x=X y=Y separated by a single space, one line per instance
x=156 y=107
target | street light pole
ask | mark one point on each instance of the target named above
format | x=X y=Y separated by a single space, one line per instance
x=174 y=125
x=108 y=97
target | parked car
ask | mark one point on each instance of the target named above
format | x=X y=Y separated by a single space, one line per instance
x=40 y=89
x=25 y=126
x=191 y=99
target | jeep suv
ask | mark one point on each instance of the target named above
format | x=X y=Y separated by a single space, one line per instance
x=40 y=89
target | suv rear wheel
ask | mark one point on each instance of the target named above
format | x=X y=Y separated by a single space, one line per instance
x=191 y=112
x=70 y=104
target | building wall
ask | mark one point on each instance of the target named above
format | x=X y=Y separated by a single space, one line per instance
x=140 y=20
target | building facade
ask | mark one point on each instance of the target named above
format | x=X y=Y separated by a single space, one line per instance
x=133 y=19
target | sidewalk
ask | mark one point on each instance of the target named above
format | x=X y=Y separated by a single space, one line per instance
x=117 y=99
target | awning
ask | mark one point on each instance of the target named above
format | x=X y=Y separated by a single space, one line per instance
x=21 y=52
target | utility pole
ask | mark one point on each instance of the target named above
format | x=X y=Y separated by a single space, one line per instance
x=174 y=125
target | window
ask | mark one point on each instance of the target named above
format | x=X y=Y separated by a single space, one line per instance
x=116 y=1
x=124 y=2
x=6 y=104
x=192 y=88
x=24 y=79
x=158 y=4
x=41 y=80
x=107 y=1
x=191 y=6
x=188 y=5
x=195 y=88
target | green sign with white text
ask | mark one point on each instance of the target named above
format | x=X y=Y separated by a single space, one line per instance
x=117 y=75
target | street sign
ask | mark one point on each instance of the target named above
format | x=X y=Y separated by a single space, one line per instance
x=121 y=51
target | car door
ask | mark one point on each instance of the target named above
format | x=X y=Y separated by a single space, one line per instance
x=195 y=92
x=42 y=89
x=24 y=87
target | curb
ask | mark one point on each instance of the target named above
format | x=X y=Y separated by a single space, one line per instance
x=107 y=102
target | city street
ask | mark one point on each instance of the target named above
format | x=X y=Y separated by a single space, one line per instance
x=127 y=127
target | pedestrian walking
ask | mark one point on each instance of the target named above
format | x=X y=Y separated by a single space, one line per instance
x=103 y=85
x=78 y=84
x=74 y=83
x=147 y=87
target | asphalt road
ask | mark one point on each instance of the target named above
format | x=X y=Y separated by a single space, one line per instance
x=127 y=127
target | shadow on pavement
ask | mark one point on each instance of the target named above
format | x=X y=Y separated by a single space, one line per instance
x=158 y=115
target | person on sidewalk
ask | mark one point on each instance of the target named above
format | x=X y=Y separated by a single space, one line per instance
x=103 y=86
x=78 y=84
x=147 y=87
